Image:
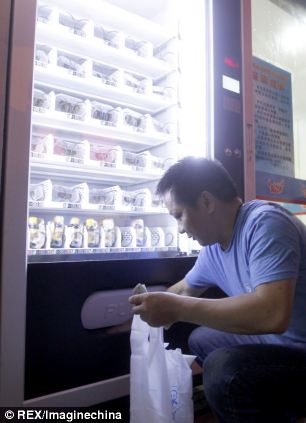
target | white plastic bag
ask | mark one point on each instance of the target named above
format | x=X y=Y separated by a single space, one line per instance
x=161 y=380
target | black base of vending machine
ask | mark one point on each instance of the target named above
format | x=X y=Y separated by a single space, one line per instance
x=61 y=353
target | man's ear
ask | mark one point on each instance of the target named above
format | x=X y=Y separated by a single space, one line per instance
x=207 y=200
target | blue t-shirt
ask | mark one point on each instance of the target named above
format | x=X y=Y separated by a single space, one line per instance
x=268 y=244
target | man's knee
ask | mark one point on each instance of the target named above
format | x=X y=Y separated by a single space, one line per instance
x=202 y=341
x=193 y=342
x=220 y=369
x=241 y=378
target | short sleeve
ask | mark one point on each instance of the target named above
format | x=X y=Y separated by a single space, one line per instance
x=274 y=250
x=200 y=276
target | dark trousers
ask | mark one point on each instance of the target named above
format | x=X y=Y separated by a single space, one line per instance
x=253 y=382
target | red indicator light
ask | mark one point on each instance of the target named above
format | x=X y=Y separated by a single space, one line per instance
x=229 y=61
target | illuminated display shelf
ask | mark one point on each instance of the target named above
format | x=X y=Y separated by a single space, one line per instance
x=135 y=140
x=78 y=64
x=95 y=49
x=96 y=251
x=115 y=18
x=52 y=77
x=80 y=172
x=92 y=212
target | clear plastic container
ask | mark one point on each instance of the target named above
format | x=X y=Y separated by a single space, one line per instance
x=73 y=107
x=110 y=156
x=71 y=195
x=37 y=233
x=41 y=192
x=93 y=233
x=74 y=234
x=57 y=232
x=70 y=151
x=41 y=101
x=132 y=120
x=42 y=147
x=69 y=23
x=72 y=64
x=44 y=55
x=107 y=75
x=103 y=113
x=112 y=38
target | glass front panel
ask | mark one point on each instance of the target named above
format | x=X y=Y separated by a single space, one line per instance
x=110 y=115
x=279 y=74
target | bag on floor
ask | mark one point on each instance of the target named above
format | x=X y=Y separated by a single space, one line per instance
x=161 y=379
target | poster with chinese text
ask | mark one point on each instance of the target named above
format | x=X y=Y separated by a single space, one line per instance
x=273 y=119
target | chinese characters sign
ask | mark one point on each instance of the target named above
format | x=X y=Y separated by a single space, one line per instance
x=273 y=119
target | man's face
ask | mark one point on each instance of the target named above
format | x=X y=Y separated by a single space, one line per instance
x=196 y=221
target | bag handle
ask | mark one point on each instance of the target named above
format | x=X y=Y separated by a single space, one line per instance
x=139 y=335
x=156 y=341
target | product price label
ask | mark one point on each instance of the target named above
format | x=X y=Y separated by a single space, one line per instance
x=36 y=204
x=106 y=207
x=71 y=206
x=73 y=160
x=39 y=109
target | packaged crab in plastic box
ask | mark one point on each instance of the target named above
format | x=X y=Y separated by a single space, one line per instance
x=71 y=151
x=104 y=113
x=71 y=107
x=130 y=159
x=105 y=155
x=97 y=197
x=107 y=75
x=111 y=198
x=151 y=163
x=112 y=38
x=72 y=65
x=40 y=194
x=138 y=84
x=141 y=48
x=69 y=23
x=41 y=101
x=42 y=146
x=75 y=197
x=132 y=120
x=141 y=199
x=158 y=203
x=44 y=55
x=47 y=15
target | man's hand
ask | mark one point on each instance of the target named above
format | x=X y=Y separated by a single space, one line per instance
x=157 y=308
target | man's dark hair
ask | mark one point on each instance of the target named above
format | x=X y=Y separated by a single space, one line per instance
x=188 y=177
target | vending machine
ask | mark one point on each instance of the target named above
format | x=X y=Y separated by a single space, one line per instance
x=100 y=98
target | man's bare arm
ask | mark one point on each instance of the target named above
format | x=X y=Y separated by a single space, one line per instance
x=266 y=310
x=182 y=288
